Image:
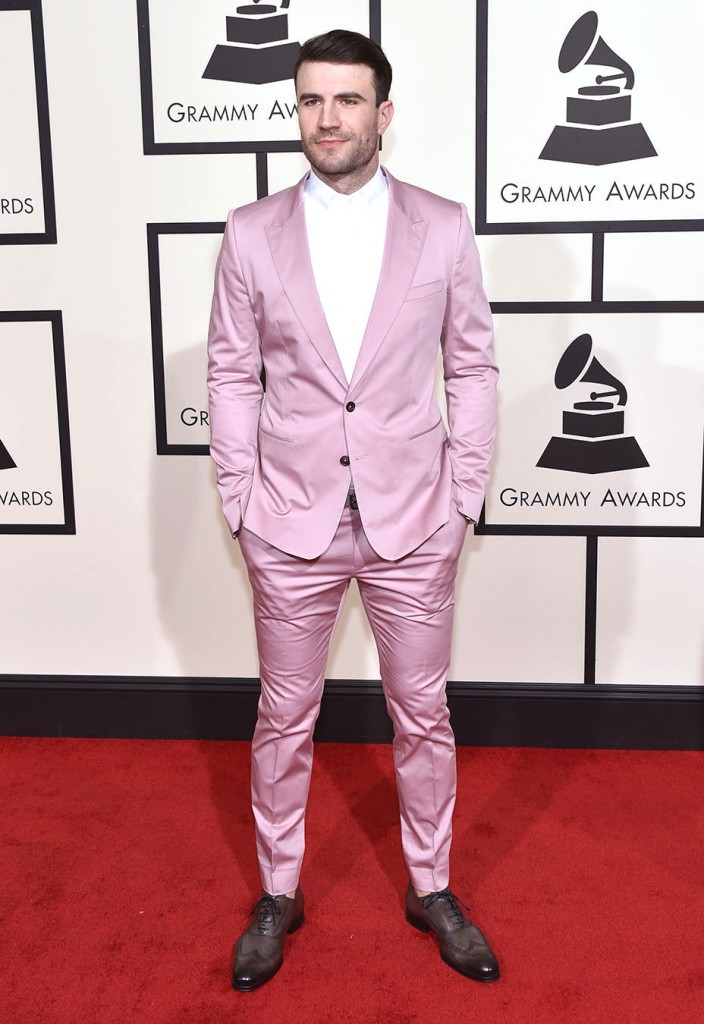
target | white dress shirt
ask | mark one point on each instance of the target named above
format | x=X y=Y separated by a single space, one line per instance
x=346 y=236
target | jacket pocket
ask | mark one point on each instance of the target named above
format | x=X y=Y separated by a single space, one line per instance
x=275 y=437
x=421 y=291
x=428 y=430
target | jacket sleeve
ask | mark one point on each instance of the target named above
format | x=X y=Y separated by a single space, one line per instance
x=234 y=381
x=470 y=375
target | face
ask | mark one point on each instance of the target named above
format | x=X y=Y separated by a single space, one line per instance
x=340 y=122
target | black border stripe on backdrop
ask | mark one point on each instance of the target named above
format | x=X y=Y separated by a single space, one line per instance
x=54 y=317
x=590 y=610
x=482 y=226
x=597 y=530
x=262 y=175
x=598 y=266
x=48 y=235
x=154 y=148
x=605 y=716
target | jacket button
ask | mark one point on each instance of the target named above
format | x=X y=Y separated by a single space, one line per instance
x=350 y=407
x=345 y=460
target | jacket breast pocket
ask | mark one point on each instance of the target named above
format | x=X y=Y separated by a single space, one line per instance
x=422 y=291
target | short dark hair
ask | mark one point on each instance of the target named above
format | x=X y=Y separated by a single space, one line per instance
x=342 y=47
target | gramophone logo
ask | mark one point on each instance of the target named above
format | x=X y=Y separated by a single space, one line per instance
x=593 y=432
x=6 y=460
x=599 y=129
x=257 y=48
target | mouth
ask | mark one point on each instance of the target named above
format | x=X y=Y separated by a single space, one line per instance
x=330 y=142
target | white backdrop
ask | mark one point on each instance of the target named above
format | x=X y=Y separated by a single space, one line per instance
x=150 y=583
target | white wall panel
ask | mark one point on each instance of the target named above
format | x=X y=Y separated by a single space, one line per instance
x=520 y=610
x=536 y=268
x=650 y=611
x=654 y=267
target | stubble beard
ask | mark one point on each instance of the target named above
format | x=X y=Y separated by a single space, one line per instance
x=336 y=165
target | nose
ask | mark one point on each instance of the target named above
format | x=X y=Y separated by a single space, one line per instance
x=329 y=117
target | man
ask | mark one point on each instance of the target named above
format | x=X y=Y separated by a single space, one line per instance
x=342 y=288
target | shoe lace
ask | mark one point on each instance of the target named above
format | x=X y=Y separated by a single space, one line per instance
x=450 y=901
x=266 y=911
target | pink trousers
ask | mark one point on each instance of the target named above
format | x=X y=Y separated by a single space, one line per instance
x=410 y=606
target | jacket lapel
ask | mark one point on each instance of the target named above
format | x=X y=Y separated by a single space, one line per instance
x=405 y=237
x=288 y=243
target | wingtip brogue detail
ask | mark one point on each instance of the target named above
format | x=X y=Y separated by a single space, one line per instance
x=462 y=945
x=259 y=952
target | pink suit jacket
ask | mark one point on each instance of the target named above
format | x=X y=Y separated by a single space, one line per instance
x=285 y=458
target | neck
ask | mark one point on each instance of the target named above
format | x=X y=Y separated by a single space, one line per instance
x=348 y=182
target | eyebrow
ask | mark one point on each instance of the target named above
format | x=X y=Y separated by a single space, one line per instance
x=338 y=96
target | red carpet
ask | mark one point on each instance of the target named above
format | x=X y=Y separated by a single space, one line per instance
x=127 y=870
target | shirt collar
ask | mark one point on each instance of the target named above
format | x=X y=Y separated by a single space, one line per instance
x=327 y=197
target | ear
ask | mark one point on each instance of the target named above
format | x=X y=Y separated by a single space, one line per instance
x=385 y=113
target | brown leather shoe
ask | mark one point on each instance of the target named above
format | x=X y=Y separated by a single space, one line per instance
x=462 y=945
x=260 y=951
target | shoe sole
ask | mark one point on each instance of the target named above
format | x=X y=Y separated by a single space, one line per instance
x=250 y=987
x=421 y=926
